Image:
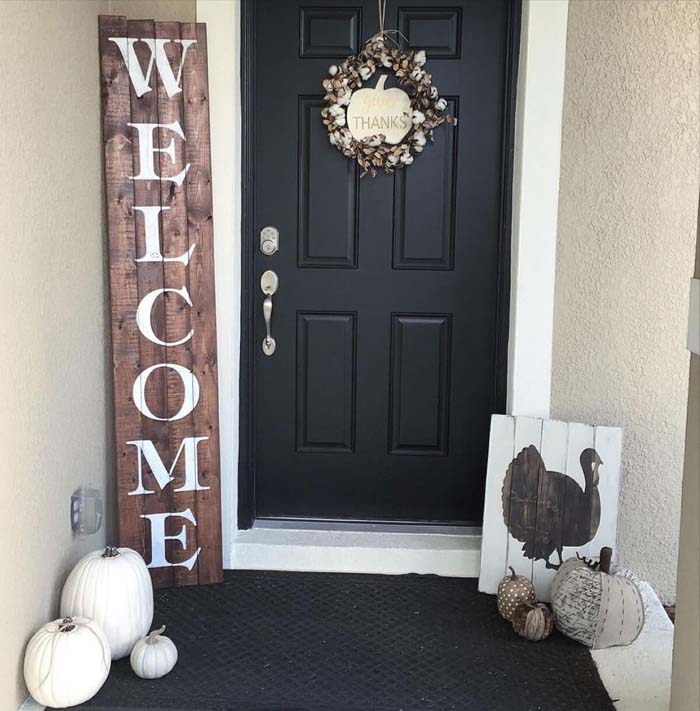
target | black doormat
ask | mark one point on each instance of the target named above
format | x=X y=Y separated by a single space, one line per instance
x=271 y=641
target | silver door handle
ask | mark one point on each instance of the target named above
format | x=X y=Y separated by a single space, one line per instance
x=268 y=284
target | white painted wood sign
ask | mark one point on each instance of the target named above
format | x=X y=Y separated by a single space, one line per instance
x=551 y=491
x=380 y=111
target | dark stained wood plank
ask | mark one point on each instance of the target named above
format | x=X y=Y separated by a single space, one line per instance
x=177 y=313
x=187 y=222
x=122 y=275
x=144 y=109
x=199 y=214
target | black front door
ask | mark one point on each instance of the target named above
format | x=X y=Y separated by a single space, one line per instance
x=390 y=318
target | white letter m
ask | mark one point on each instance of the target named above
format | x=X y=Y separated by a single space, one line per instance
x=163 y=477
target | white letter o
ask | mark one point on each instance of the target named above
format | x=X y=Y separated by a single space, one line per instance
x=189 y=383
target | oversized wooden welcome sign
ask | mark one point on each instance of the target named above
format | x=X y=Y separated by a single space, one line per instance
x=159 y=211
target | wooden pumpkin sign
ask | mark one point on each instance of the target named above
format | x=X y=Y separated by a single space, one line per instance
x=380 y=110
x=551 y=492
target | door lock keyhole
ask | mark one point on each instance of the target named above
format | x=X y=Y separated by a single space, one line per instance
x=269 y=240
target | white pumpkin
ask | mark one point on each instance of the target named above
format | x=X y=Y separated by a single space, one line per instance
x=154 y=656
x=380 y=111
x=112 y=587
x=66 y=662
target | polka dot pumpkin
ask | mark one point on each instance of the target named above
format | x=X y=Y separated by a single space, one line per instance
x=512 y=591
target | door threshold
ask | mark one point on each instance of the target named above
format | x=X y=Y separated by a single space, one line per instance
x=365 y=526
x=396 y=552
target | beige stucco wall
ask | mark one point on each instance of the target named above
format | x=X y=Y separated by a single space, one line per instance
x=55 y=381
x=627 y=222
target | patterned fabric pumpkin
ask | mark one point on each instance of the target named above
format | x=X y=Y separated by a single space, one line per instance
x=512 y=590
x=595 y=608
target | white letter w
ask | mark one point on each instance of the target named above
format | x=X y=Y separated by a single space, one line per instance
x=140 y=80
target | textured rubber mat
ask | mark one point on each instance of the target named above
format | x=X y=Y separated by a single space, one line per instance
x=270 y=641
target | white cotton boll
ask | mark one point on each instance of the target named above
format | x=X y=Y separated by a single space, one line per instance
x=433 y=92
x=418 y=117
x=340 y=120
x=441 y=105
x=333 y=70
x=419 y=138
x=387 y=61
x=344 y=100
x=365 y=72
x=420 y=58
x=406 y=158
x=417 y=73
x=392 y=159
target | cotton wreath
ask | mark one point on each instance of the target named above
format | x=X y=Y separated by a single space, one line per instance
x=428 y=109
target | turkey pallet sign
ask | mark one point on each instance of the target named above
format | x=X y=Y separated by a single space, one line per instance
x=159 y=211
x=551 y=492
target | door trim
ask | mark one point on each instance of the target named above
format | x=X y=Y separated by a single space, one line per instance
x=246 y=451
x=246 y=441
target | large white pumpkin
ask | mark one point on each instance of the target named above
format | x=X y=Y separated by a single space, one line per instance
x=154 y=656
x=112 y=587
x=66 y=662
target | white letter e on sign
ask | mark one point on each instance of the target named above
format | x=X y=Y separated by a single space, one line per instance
x=158 y=539
x=147 y=149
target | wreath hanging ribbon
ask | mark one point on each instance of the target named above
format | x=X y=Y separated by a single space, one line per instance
x=427 y=109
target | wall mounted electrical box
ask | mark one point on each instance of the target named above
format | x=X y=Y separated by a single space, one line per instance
x=86 y=511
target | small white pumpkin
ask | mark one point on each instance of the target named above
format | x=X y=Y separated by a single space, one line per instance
x=154 y=656
x=66 y=662
x=112 y=587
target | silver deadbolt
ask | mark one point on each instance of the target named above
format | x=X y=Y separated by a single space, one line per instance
x=268 y=285
x=269 y=240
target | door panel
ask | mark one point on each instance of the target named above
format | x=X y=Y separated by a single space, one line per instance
x=420 y=384
x=391 y=314
x=326 y=238
x=325 y=382
x=424 y=231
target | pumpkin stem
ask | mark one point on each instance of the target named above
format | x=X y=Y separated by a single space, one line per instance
x=151 y=639
x=111 y=552
x=605 y=559
x=380 y=83
x=512 y=572
x=66 y=625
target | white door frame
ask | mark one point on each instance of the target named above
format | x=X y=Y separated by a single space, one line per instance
x=535 y=205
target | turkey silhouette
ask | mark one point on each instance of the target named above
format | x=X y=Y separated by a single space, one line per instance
x=546 y=510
